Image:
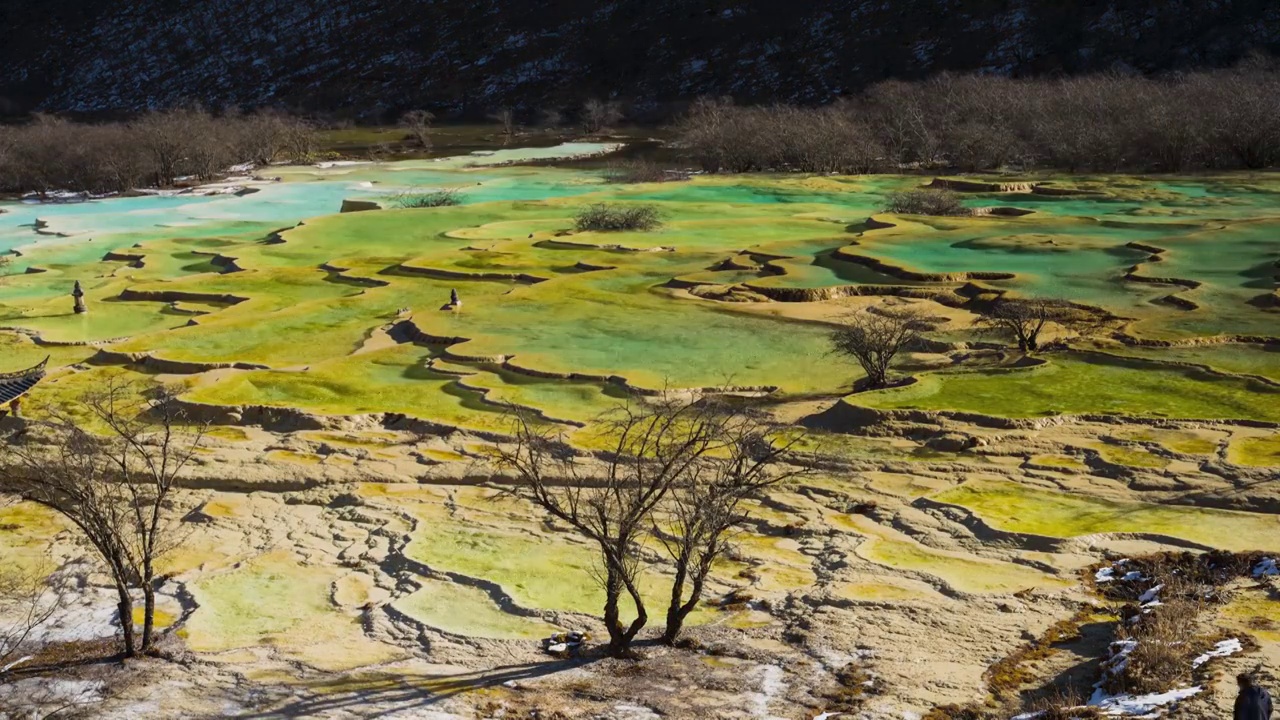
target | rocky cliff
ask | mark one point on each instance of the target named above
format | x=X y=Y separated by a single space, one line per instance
x=470 y=56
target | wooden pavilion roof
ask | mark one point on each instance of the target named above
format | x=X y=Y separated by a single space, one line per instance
x=16 y=384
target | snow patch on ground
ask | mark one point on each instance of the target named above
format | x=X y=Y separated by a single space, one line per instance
x=771 y=686
x=341 y=163
x=627 y=711
x=1150 y=595
x=1222 y=649
x=1117 y=572
x=1139 y=706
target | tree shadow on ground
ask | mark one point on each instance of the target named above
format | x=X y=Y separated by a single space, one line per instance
x=1075 y=668
x=404 y=691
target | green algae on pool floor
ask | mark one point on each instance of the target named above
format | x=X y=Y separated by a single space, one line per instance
x=1255 y=451
x=277 y=600
x=1016 y=508
x=26 y=529
x=1083 y=383
x=962 y=572
x=464 y=610
x=1239 y=358
x=1189 y=442
x=541 y=298
x=1130 y=456
x=393 y=379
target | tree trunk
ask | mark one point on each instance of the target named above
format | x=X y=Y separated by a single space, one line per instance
x=677 y=613
x=619 y=638
x=674 y=619
x=642 y=615
x=612 y=592
x=125 y=608
x=148 y=608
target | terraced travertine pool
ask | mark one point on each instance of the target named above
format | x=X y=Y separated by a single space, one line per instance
x=277 y=279
x=275 y=299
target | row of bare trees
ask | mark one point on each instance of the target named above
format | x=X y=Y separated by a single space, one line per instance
x=676 y=475
x=1210 y=119
x=875 y=337
x=156 y=149
x=593 y=117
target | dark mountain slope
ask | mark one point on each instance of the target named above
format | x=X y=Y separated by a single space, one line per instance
x=474 y=55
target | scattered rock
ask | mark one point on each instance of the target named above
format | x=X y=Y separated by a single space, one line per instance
x=952 y=442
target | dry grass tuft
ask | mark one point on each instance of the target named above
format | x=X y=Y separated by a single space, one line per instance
x=854 y=686
x=642 y=171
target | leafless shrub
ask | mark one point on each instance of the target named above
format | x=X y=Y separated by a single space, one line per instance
x=1167 y=634
x=1208 y=119
x=725 y=138
x=53 y=154
x=417 y=123
x=436 y=198
x=267 y=136
x=550 y=117
x=602 y=217
x=1166 y=640
x=114 y=488
x=926 y=201
x=599 y=115
x=874 y=339
x=165 y=137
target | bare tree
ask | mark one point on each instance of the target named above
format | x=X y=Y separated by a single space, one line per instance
x=211 y=147
x=598 y=115
x=418 y=124
x=122 y=164
x=24 y=601
x=874 y=337
x=611 y=500
x=115 y=488
x=24 y=606
x=1025 y=319
x=506 y=117
x=167 y=137
x=749 y=455
x=550 y=117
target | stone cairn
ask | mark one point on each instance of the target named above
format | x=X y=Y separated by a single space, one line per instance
x=455 y=302
x=78 y=294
